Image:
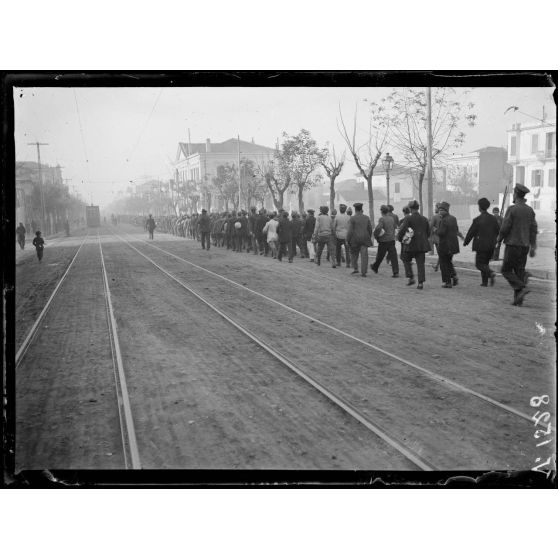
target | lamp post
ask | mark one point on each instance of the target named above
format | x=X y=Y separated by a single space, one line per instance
x=387 y=163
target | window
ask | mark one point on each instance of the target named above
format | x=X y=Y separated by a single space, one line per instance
x=520 y=175
x=550 y=145
x=536 y=178
x=536 y=204
x=552 y=178
x=397 y=188
x=513 y=144
x=534 y=143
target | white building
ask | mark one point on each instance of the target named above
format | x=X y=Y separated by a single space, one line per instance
x=532 y=153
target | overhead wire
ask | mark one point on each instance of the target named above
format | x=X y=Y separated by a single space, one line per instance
x=145 y=126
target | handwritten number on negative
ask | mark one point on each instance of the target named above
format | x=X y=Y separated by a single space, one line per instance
x=536 y=401
x=538 y=416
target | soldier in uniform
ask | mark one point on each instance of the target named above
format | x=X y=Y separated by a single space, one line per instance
x=519 y=233
x=323 y=235
x=359 y=238
x=386 y=241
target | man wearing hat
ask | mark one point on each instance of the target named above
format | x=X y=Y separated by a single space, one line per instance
x=324 y=235
x=415 y=244
x=448 y=231
x=204 y=226
x=308 y=233
x=385 y=234
x=340 y=227
x=359 y=238
x=484 y=232
x=519 y=233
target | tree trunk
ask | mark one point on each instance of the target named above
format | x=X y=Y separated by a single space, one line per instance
x=300 y=200
x=370 y=199
x=331 y=193
x=421 y=179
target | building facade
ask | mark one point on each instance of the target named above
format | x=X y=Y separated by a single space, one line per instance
x=483 y=173
x=196 y=163
x=532 y=154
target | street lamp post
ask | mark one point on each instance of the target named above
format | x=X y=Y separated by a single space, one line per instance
x=387 y=163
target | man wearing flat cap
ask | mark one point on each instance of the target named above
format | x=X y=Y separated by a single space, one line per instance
x=483 y=232
x=519 y=234
x=340 y=227
x=448 y=231
x=359 y=238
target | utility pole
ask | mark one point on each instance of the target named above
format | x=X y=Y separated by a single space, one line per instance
x=43 y=218
x=430 y=194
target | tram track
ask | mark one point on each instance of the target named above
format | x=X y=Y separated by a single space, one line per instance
x=433 y=375
x=449 y=384
x=412 y=456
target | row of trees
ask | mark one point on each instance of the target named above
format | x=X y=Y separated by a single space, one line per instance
x=397 y=123
x=60 y=206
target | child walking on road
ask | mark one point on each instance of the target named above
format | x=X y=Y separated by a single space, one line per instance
x=39 y=243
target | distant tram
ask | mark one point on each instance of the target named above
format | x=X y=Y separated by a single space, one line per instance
x=93 y=216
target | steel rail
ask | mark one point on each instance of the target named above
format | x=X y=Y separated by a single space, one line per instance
x=409 y=454
x=31 y=335
x=129 y=440
x=429 y=373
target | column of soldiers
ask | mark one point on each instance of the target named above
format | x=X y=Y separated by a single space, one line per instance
x=345 y=237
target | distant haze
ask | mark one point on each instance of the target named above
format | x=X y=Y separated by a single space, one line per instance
x=110 y=138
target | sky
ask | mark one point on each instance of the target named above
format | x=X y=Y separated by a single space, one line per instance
x=107 y=139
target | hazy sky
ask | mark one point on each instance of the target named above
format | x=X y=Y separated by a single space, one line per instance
x=126 y=134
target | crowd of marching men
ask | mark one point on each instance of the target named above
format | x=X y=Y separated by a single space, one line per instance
x=346 y=236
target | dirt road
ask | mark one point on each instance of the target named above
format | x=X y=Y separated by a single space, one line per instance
x=204 y=396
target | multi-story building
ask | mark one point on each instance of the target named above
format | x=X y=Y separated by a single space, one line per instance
x=483 y=173
x=532 y=153
x=197 y=163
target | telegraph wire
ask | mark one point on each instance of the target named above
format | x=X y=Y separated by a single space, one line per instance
x=145 y=126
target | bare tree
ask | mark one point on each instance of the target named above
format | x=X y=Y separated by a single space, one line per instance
x=277 y=177
x=404 y=113
x=366 y=156
x=333 y=168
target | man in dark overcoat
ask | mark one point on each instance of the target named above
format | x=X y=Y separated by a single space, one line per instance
x=448 y=245
x=359 y=239
x=483 y=232
x=519 y=233
x=418 y=243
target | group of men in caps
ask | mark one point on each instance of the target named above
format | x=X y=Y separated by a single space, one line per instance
x=346 y=238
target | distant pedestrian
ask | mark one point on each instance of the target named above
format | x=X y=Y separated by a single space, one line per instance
x=385 y=235
x=414 y=233
x=519 y=233
x=308 y=234
x=448 y=245
x=204 y=227
x=359 y=237
x=67 y=227
x=323 y=235
x=340 y=228
x=20 y=234
x=483 y=232
x=150 y=226
x=39 y=243
x=297 y=241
